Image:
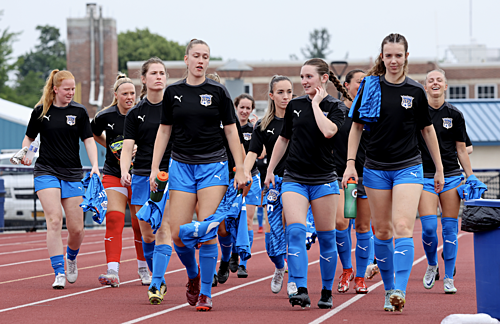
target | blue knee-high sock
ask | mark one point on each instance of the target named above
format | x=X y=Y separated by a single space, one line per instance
x=327 y=257
x=260 y=215
x=250 y=238
x=149 y=250
x=71 y=254
x=404 y=252
x=363 y=249
x=161 y=257
x=430 y=238
x=57 y=262
x=371 y=256
x=208 y=261
x=188 y=259
x=384 y=251
x=279 y=261
x=225 y=248
x=290 y=274
x=344 y=247
x=450 y=244
x=297 y=253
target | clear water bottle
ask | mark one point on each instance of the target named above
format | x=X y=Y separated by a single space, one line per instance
x=32 y=150
x=350 y=194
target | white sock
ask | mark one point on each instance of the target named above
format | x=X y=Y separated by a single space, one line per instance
x=142 y=264
x=114 y=266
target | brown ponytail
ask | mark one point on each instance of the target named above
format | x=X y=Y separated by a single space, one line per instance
x=144 y=71
x=338 y=85
x=322 y=68
x=379 y=68
x=55 y=79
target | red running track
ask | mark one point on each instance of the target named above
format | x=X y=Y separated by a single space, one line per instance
x=26 y=294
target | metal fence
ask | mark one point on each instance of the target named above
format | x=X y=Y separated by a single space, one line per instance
x=23 y=210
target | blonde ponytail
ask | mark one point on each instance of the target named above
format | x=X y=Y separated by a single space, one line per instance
x=55 y=79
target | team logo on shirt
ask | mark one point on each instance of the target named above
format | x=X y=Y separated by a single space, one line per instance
x=297 y=112
x=247 y=136
x=407 y=102
x=272 y=195
x=271 y=131
x=206 y=100
x=325 y=113
x=70 y=120
x=447 y=123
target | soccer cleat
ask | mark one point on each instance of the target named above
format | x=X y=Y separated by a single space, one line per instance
x=155 y=296
x=430 y=277
x=110 y=278
x=346 y=276
x=223 y=273
x=371 y=271
x=60 y=281
x=193 y=289
x=71 y=270
x=204 y=303
x=214 y=281
x=144 y=275
x=242 y=271
x=277 y=281
x=261 y=229
x=449 y=287
x=291 y=289
x=163 y=289
x=397 y=300
x=301 y=298
x=387 y=304
x=360 y=286
x=326 y=300
x=233 y=262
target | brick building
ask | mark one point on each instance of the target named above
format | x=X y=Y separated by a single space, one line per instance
x=95 y=35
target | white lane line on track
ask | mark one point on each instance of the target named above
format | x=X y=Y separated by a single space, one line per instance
x=43 y=241
x=104 y=287
x=45 y=248
x=168 y=310
x=358 y=297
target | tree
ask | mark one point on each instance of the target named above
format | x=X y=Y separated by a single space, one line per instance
x=319 y=41
x=141 y=44
x=6 y=40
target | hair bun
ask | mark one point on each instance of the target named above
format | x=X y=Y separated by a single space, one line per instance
x=120 y=76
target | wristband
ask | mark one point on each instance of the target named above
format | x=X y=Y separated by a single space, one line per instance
x=350 y=160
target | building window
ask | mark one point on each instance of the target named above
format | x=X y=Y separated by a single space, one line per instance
x=248 y=88
x=458 y=92
x=486 y=91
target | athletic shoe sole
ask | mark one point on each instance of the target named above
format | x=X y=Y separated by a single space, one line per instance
x=397 y=302
x=109 y=282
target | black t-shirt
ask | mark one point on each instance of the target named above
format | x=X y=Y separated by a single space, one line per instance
x=310 y=160
x=230 y=160
x=60 y=130
x=467 y=140
x=449 y=124
x=393 y=138
x=267 y=138
x=340 y=141
x=113 y=122
x=247 y=131
x=196 y=113
x=141 y=125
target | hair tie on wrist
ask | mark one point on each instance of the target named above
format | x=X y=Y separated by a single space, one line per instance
x=351 y=160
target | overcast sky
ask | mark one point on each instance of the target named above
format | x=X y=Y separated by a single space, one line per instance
x=271 y=29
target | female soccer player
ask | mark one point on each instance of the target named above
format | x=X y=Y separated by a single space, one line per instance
x=141 y=126
x=107 y=127
x=265 y=135
x=393 y=175
x=58 y=171
x=363 y=230
x=310 y=176
x=193 y=110
x=449 y=124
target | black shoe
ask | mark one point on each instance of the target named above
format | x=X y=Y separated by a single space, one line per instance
x=454 y=270
x=242 y=272
x=233 y=262
x=326 y=300
x=301 y=298
x=223 y=273
x=214 y=281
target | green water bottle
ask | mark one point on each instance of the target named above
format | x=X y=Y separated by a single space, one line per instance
x=161 y=180
x=350 y=195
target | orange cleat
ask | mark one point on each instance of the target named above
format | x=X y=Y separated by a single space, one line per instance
x=360 y=286
x=346 y=276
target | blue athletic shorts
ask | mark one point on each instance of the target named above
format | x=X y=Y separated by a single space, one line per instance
x=68 y=189
x=253 y=197
x=311 y=192
x=386 y=180
x=141 y=190
x=193 y=177
x=449 y=183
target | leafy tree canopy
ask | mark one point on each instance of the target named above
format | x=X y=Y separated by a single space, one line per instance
x=319 y=41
